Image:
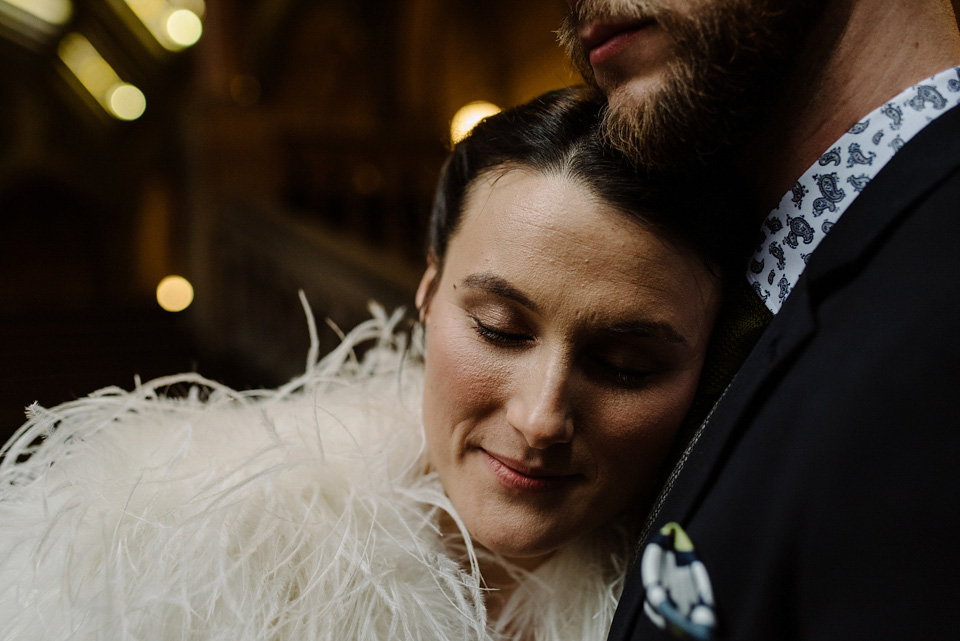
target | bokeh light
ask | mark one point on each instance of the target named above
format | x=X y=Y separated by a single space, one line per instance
x=174 y=293
x=54 y=12
x=468 y=116
x=126 y=102
x=120 y=99
x=175 y=24
x=184 y=27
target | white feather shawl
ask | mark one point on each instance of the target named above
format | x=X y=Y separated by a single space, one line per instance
x=305 y=512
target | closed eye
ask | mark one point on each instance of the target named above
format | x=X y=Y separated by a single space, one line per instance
x=498 y=337
x=630 y=378
x=626 y=377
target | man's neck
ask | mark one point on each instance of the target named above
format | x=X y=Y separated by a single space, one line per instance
x=865 y=52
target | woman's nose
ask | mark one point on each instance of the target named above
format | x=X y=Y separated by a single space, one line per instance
x=540 y=408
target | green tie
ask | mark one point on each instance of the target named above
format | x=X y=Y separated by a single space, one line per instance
x=740 y=322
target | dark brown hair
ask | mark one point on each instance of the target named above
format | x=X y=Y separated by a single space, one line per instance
x=559 y=132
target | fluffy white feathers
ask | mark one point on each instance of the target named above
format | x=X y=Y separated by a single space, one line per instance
x=305 y=512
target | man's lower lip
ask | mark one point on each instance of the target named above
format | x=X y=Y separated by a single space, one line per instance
x=516 y=480
x=615 y=44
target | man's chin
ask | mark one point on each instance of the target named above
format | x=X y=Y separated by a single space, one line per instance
x=629 y=126
x=634 y=95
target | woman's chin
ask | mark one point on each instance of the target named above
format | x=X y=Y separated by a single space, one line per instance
x=521 y=551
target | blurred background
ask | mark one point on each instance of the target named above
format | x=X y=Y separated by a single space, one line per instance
x=248 y=148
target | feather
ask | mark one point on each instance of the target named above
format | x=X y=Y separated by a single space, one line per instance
x=304 y=512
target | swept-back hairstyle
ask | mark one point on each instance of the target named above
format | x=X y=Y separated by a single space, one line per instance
x=559 y=133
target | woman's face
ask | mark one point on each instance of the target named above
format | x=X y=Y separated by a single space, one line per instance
x=564 y=344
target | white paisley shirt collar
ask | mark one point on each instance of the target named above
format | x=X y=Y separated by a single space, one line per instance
x=807 y=212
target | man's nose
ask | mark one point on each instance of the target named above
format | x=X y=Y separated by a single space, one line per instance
x=540 y=407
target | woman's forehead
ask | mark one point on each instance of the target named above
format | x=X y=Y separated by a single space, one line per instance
x=553 y=202
x=556 y=242
x=553 y=219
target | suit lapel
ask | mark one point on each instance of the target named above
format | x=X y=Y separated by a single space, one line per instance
x=787 y=333
x=918 y=167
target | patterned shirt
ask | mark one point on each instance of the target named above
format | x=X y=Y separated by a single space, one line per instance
x=807 y=212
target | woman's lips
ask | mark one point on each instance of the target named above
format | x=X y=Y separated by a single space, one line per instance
x=517 y=476
x=605 y=40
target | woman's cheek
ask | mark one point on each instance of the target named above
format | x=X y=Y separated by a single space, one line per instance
x=464 y=377
x=638 y=430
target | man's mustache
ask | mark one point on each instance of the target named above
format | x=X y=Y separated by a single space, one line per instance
x=584 y=11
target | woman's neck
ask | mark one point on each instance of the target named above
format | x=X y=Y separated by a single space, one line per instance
x=500 y=576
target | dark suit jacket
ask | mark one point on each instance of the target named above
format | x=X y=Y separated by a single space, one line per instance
x=824 y=495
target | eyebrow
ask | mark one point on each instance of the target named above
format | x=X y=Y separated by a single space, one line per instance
x=647 y=328
x=498 y=286
x=642 y=328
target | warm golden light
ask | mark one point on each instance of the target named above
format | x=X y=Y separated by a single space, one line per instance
x=175 y=24
x=184 y=27
x=120 y=99
x=95 y=74
x=126 y=101
x=174 y=293
x=468 y=116
x=53 y=12
x=148 y=11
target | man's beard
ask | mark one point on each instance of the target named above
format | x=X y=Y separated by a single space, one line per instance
x=729 y=61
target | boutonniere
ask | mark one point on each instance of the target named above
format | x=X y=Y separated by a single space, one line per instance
x=679 y=597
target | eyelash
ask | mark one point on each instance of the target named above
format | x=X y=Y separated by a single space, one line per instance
x=497 y=337
x=629 y=379
x=621 y=377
